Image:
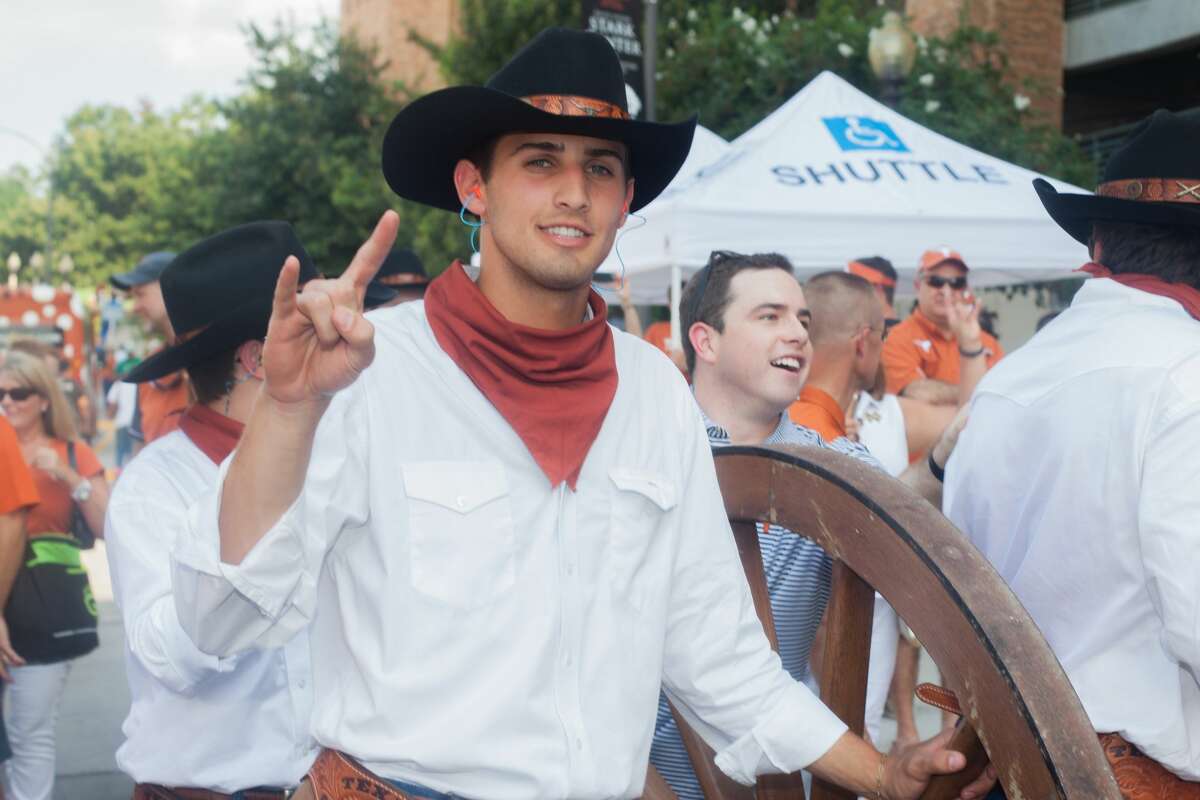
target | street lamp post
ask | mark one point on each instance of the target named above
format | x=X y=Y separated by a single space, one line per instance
x=36 y=262
x=66 y=265
x=891 y=51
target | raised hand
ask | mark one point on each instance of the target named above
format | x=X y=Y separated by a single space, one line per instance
x=963 y=317
x=318 y=341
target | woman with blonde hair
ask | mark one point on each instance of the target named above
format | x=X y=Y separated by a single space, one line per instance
x=50 y=612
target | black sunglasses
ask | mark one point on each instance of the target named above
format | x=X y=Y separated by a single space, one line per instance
x=715 y=257
x=20 y=393
x=937 y=282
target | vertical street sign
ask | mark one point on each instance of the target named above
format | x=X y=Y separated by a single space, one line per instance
x=620 y=21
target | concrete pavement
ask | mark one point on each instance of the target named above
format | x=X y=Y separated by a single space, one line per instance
x=90 y=717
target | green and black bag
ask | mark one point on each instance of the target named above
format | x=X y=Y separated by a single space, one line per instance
x=51 y=613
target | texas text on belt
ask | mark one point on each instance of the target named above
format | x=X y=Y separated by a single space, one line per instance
x=337 y=776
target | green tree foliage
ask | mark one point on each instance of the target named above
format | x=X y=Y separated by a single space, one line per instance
x=302 y=142
x=123 y=184
x=736 y=65
x=22 y=216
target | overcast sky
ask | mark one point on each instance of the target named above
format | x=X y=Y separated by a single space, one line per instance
x=56 y=56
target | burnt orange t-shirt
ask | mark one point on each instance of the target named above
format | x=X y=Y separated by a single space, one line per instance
x=817 y=410
x=657 y=335
x=53 y=514
x=915 y=349
x=17 y=489
x=160 y=403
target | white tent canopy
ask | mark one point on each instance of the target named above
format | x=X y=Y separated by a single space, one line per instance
x=834 y=175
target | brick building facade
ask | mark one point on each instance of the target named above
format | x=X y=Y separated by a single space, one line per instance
x=386 y=25
x=1032 y=33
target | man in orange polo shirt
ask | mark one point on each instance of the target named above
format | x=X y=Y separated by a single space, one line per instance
x=847 y=338
x=161 y=402
x=940 y=353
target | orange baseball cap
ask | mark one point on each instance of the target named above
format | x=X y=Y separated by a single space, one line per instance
x=869 y=274
x=939 y=256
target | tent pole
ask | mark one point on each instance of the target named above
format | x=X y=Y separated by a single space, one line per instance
x=676 y=287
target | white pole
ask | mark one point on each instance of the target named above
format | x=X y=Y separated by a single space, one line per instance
x=676 y=289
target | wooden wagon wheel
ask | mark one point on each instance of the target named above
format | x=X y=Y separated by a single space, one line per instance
x=882 y=535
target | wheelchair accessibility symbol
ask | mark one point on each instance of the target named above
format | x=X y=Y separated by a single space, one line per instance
x=863 y=133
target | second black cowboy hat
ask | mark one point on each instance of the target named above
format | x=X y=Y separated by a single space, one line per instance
x=564 y=81
x=219 y=293
x=1153 y=179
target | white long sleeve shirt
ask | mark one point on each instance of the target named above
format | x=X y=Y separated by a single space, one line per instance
x=1078 y=476
x=479 y=633
x=195 y=720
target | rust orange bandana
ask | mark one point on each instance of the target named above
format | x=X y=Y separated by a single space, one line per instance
x=553 y=387
x=1185 y=295
x=215 y=434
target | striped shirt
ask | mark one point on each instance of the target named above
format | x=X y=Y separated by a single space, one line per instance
x=798 y=574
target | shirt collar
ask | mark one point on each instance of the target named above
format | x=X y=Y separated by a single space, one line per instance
x=719 y=436
x=926 y=325
x=823 y=400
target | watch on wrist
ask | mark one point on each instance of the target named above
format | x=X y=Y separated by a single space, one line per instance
x=82 y=491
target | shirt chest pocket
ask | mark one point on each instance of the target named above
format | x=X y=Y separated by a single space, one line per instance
x=640 y=501
x=461 y=548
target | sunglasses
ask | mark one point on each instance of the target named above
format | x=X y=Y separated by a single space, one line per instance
x=714 y=258
x=20 y=393
x=937 y=282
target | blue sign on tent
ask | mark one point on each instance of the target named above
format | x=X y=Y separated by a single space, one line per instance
x=863 y=133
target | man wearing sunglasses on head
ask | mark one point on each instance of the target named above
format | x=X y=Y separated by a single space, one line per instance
x=940 y=352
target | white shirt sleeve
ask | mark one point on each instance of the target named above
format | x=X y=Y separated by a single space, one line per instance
x=271 y=595
x=138 y=534
x=1169 y=526
x=718 y=665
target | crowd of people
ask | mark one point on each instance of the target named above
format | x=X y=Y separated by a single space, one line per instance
x=474 y=546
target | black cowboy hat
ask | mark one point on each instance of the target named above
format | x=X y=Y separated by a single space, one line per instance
x=402 y=267
x=376 y=294
x=564 y=81
x=1152 y=179
x=219 y=293
x=401 y=270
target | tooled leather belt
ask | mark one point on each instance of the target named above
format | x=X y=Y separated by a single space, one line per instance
x=337 y=776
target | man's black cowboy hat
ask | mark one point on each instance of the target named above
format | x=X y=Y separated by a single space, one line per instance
x=1152 y=179
x=402 y=267
x=219 y=293
x=564 y=81
x=401 y=270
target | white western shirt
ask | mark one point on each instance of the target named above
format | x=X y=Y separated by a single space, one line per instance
x=195 y=720
x=881 y=429
x=477 y=632
x=1078 y=476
